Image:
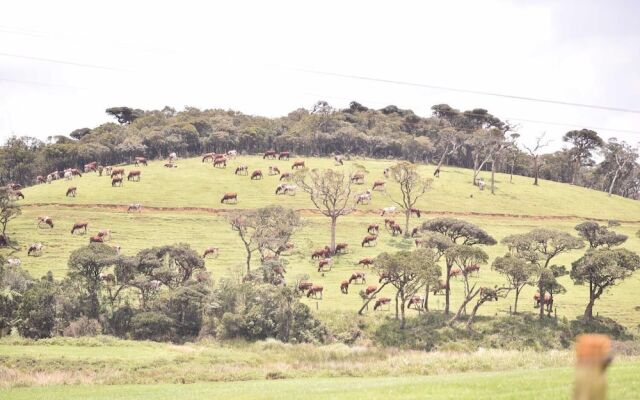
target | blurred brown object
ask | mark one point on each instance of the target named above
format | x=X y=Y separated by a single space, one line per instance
x=593 y=355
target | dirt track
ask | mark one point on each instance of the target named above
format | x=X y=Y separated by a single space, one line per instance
x=312 y=211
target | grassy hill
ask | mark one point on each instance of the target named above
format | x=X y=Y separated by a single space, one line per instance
x=183 y=205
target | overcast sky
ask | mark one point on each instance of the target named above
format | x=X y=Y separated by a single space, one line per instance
x=62 y=63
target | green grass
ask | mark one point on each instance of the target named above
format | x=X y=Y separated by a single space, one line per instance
x=199 y=185
x=551 y=383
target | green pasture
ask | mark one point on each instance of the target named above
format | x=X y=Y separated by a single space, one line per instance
x=194 y=184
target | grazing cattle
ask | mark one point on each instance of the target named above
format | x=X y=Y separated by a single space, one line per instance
x=363 y=198
x=547 y=302
x=76 y=172
x=322 y=253
x=384 y=276
x=220 y=162
x=257 y=174
x=96 y=239
x=344 y=287
x=40 y=179
x=211 y=251
x=134 y=175
x=327 y=262
x=172 y=157
x=68 y=175
x=273 y=170
x=314 y=291
x=134 y=207
x=416 y=212
x=471 y=269
x=302 y=286
x=117 y=172
x=269 y=154
x=105 y=234
x=455 y=272
x=415 y=232
x=140 y=160
x=284 y=155
x=358 y=277
x=14 y=262
x=45 y=220
x=91 y=167
x=229 y=196
x=208 y=156
x=242 y=170
x=50 y=178
x=116 y=248
x=373 y=229
x=286 y=176
x=14 y=186
x=388 y=223
x=366 y=261
x=339 y=160
x=100 y=170
x=388 y=210
x=440 y=288
x=286 y=188
x=116 y=182
x=370 y=240
x=341 y=248
x=396 y=230
x=35 y=249
x=78 y=226
x=383 y=301
x=107 y=170
x=232 y=153
x=17 y=194
x=71 y=191
x=358 y=178
x=371 y=289
x=297 y=164
x=417 y=302
x=378 y=185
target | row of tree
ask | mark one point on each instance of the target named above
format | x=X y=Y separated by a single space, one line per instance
x=473 y=139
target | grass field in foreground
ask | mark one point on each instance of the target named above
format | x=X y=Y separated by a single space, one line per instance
x=194 y=184
x=552 y=383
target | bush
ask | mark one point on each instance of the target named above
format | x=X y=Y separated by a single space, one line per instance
x=120 y=321
x=602 y=325
x=152 y=325
x=36 y=313
x=83 y=326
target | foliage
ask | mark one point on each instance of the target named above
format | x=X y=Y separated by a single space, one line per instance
x=9 y=210
x=518 y=271
x=36 y=313
x=412 y=187
x=599 y=235
x=152 y=325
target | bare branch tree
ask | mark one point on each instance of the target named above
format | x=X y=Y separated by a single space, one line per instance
x=412 y=187
x=534 y=152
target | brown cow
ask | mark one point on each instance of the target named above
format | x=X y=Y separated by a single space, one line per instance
x=273 y=170
x=302 y=286
x=96 y=239
x=220 y=162
x=327 y=262
x=286 y=176
x=378 y=185
x=116 y=181
x=117 y=172
x=134 y=175
x=76 y=172
x=71 y=191
x=40 y=179
x=45 y=220
x=208 y=156
x=230 y=196
x=415 y=232
x=242 y=170
x=396 y=230
x=214 y=251
x=471 y=269
x=440 y=288
x=455 y=272
x=284 y=155
x=388 y=223
x=383 y=301
x=416 y=212
x=105 y=234
x=141 y=160
x=416 y=302
x=358 y=178
x=314 y=291
x=384 y=276
x=366 y=261
x=547 y=302
x=373 y=229
x=341 y=248
x=370 y=240
x=17 y=194
x=357 y=277
x=79 y=225
x=269 y=154
x=322 y=253
x=14 y=186
x=371 y=289
x=298 y=164
x=344 y=287
x=257 y=174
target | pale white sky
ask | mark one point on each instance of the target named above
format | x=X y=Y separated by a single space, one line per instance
x=247 y=55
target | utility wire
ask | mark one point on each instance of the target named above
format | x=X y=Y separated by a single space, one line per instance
x=50 y=60
x=459 y=90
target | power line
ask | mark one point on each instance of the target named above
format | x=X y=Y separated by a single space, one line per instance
x=40 y=84
x=50 y=60
x=459 y=90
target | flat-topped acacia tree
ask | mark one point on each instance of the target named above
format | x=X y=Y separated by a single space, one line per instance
x=412 y=186
x=330 y=192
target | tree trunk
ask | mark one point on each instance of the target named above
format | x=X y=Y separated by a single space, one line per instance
x=402 y=317
x=407 y=216
x=426 y=299
x=248 y=260
x=334 y=223
x=515 y=305
x=493 y=177
x=447 y=291
x=535 y=170
x=541 y=291
x=371 y=297
x=588 y=312
x=613 y=181
x=473 y=313
x=397 y=309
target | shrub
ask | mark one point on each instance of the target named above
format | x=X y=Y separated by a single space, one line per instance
x=83 y=326
x=152 y=325
x=36 y=313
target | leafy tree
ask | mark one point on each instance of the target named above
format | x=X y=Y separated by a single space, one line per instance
x=124 y=115
x=599 y=235
x=602 y=269
x=539 y=247
x=412 y=187
x=36 y=313
x=86 y=264
x=330 y=192
x=80 y=133
x=464 y=256
x=152 y=325
x=408 y=272
x=14 y=282
x=172 y=265
x=459 y=232
x=185 y=306
x=485 y=294
x=485 y=145
x=584 y=142
x=619 y=155
x=518 y=272
x=9 y=210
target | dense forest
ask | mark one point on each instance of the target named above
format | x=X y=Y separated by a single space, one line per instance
x=472 y=139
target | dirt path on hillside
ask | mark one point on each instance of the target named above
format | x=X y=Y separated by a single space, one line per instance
x=313 y=211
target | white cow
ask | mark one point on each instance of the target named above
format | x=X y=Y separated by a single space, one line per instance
x=388 y=210
x=232 y=153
